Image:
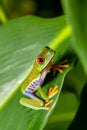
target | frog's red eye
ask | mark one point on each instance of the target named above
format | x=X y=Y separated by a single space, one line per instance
x=40 y=60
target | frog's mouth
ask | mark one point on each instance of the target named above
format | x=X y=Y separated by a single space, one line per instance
x=45 y=72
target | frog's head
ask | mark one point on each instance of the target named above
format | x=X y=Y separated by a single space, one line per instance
x=44 y=58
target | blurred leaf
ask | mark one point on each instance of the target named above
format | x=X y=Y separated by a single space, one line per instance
x=72 y=82
x=76 y=12
x=80 y=120
x=64 y=111
x=21 y=41
x=15 y=8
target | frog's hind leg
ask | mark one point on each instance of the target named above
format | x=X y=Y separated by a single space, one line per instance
x=33 y=102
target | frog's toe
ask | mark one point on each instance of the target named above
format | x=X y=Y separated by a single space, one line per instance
x=48 y=103
x=59 y=67
x=53 y=91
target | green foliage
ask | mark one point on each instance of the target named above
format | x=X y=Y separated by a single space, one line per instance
x=21 y=43
x=76 y=13
x=21 y=40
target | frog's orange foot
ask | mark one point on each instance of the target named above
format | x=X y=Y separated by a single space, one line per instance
x=47 y=103
x=53 y=91
x=59 y=66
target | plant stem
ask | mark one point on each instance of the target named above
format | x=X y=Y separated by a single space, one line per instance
x=65 y=33
x=3 y=17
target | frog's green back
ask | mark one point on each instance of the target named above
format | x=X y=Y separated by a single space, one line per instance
x=34 y=74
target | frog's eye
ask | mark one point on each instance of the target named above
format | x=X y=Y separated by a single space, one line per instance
x=40 y=60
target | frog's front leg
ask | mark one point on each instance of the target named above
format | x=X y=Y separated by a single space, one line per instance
x=59 y=66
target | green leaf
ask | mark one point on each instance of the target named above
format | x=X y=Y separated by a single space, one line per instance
x=21 y=41
x=76 y=12
x=64 y=112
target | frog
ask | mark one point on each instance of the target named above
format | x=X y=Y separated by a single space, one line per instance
x=42 y=65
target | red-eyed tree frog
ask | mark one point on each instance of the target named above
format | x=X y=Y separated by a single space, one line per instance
x=35 y=79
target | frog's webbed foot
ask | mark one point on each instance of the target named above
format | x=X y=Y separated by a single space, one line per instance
x=52 y=91
x=59 y=66
x=47 y=103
